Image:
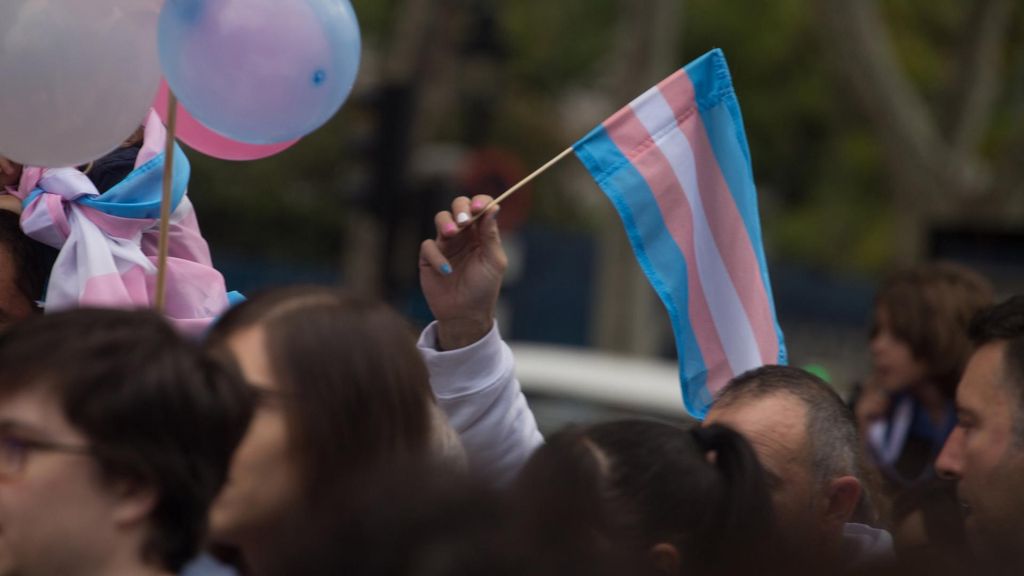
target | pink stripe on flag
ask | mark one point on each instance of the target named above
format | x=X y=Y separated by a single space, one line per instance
x=728 y=228
x=628 y=133
x=680 y=93
x=126 y=290
x=56 y=210
x=153 y=141
x=637 y=145
x=117 y=227
x=30 y=177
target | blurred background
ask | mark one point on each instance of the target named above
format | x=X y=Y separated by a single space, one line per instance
x=883 y=133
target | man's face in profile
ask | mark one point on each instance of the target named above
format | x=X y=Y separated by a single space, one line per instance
x=984 y=453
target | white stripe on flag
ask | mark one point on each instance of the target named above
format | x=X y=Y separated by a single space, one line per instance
x=734 y=328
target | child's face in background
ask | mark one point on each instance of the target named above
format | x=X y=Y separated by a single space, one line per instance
x=894 y=366
x=10 y=172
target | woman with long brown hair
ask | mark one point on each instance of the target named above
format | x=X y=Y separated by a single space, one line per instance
x=341 y=388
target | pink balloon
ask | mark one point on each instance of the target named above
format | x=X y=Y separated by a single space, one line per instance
x=202 y=139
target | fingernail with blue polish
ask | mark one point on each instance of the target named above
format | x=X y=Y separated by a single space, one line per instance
x=446 y=269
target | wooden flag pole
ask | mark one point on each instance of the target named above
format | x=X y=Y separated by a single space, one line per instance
x=522 y=183
x=165 y=203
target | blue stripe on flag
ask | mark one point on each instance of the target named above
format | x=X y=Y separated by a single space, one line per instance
x=657 y=253
x=139 y=194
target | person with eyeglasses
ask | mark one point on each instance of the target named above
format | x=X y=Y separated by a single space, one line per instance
x=115 y=436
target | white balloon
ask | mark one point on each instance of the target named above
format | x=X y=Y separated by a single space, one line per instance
x=76 y=77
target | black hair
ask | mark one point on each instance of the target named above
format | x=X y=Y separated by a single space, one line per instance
x=32 y=260
x=1004 y=322
x=631 y=484
x=156 y=411
x=110 y=170
x=408 y=517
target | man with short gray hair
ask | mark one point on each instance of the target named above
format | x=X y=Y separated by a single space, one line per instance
x=806 y=439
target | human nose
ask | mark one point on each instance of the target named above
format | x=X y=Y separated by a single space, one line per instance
x=949 y=464
x=879 y=340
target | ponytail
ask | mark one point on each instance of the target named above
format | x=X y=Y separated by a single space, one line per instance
x=638 y=483
x=743 y=509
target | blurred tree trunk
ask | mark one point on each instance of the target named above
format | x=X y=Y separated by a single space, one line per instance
x=374 y=236
x=934 y=158
x=628 y=316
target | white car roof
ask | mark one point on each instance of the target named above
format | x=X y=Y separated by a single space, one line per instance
x=643 y=385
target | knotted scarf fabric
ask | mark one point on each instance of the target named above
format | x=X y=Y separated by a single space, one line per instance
x=109 y=243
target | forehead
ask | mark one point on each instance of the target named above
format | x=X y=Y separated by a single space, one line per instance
x=37 y=408
x=985 y=387
x=774 y=424
x=249 y=348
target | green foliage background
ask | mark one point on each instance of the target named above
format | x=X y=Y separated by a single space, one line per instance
x=824 y=193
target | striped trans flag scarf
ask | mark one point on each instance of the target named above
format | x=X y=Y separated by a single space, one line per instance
x=109 y=243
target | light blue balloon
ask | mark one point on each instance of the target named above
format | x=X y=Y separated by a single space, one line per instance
x=260 y=71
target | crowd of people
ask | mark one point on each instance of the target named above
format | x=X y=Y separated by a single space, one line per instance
x=310 y=432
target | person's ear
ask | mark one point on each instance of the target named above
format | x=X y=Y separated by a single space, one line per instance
x=133 y=502
x=842 y=496
x=665 y=558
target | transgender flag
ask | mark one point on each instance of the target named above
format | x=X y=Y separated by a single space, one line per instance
x=675 y=164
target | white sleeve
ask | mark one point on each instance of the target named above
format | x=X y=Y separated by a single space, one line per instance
x=476 y=387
